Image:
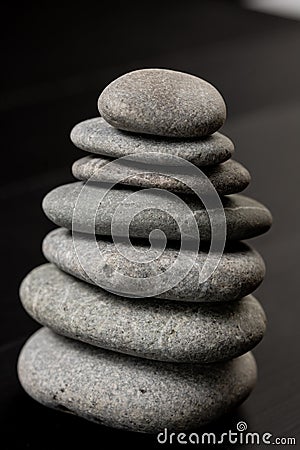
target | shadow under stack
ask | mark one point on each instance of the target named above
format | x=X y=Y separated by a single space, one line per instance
x=117 y=347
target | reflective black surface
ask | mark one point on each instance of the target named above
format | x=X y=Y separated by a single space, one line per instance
x=56 y=62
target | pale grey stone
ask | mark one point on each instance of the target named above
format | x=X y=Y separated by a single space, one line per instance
x=97 y=136
x=127 y=392
x=148 y=328
x=240 y=270
x=163 y=102
x=245 y=217
x=227 y=178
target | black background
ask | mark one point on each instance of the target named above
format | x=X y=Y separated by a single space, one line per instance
x=55 y=62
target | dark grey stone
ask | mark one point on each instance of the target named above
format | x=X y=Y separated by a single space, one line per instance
x=240 y=270
x=163 y=102
x=245 y=217
x=127 y=392
x=148 y=328
x=227 y=178
x=97 y=136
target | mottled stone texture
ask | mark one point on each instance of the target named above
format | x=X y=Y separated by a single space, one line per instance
x=127 y=392
x=245 y=217
x=136 y=338
x=227 y=178
x=240 y=271
x=97 y=136
x=154 y=329
x=163 y=102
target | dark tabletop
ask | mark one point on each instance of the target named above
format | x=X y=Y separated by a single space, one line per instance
x=56 y=62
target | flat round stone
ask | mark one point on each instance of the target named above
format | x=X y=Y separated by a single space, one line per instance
x=163 y=102
x=131 y=393
x=97 y=136
x=245 y=217
x=148 y=328
x=227 y=178
x=239 y=272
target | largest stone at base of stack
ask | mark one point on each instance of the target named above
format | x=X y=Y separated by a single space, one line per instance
x=176 y=361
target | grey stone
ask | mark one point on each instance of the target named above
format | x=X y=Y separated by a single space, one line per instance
x=227 y=178
x=97 y=136
x=148 y=328
x=245 y=217
x=163 y=102
x=240 y=270
x=127 y=392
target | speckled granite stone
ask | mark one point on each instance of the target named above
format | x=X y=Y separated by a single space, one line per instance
x=245 y=217
x=148 y=328
x=227 y=178
x=97 y=136
x=163 y=102
x=127 y=392
x=239 y=272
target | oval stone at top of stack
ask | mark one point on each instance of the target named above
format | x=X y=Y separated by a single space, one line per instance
x=97 y=136
x=163 y=102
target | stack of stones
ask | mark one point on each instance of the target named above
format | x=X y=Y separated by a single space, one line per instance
x=177 y=358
